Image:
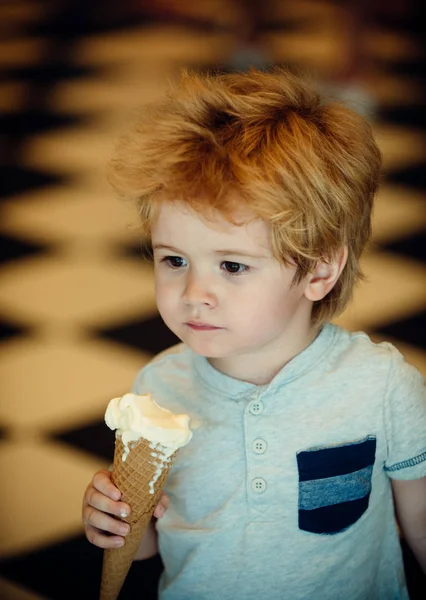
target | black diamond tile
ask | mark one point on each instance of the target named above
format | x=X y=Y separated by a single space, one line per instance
x=403 y=68
x=13 y=248
x=416 y=579
x=47 y=74
x=153 y=15
x=72 y=569
x=413 y=116
x=407 y=22
x=9 y=330
x=142 y=580
x=34 y=121
x=413 y=176
x=79 y=23
x=413 y=246
x=411 y=330
x=149 y=14
x=150 y=335
x=81 y=19
x=95 y=438
x=17 y=180
x=288 y=24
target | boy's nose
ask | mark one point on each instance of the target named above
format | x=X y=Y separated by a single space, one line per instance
x=198 y=291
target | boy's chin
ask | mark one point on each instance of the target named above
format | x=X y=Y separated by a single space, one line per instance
x=205 y=350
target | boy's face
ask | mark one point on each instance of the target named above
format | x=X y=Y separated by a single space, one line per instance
x=222 y=292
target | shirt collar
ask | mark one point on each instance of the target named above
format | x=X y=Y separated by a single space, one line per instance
x=234 y=388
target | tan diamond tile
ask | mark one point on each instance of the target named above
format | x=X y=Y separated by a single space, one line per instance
x=21 y=51
x=155 y=44
x=118 y=94
x=317 y=10
x=94 y=182
x=67 y=214
x=73 y=149
x=12 y=591
x=12 y=94
x=388 y=90
x=313 y=50
x=395 y=288
x=52 y=290
x=400 y=146
x=398 y=212
x=331 y=19
x=322 y=50
x=23 y=12
x=389 y=45
x=54 y=383
x=55 y=478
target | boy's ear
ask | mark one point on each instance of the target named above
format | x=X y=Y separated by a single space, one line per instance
x=325 y=276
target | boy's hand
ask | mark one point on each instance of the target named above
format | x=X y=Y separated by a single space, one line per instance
x=101 y=500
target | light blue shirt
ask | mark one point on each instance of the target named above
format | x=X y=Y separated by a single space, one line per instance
x=284 y=490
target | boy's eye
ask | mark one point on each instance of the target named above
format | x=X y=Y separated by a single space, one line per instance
x=174 y=261
x=234 y=268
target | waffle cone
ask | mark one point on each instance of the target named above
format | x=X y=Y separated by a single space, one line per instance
x=132 y=477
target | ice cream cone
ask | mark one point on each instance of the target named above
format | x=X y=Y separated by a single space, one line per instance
x=140 y=478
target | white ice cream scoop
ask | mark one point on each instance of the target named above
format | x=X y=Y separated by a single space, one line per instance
x=135 y=416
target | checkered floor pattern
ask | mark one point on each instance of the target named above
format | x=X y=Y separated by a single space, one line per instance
x=77 y=312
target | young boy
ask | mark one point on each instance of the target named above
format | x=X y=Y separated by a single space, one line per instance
x=307 y=439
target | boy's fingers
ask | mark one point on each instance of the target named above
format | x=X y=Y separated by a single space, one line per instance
x=103 y=503
x=162 y=506
x=100 y=520
x=165 y=501
x=97 y=538
x=102 y=482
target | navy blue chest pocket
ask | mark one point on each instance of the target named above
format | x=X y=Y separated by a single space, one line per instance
x=335 y=485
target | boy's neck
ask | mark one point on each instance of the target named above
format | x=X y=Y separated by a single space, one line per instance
x=261 y=368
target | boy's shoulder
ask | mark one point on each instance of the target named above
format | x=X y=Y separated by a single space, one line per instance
x=171 y=365
x=365 y=355
x=359 y=343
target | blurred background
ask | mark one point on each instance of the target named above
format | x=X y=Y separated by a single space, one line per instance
x=77 y=311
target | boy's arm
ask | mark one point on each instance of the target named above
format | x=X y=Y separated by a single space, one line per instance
x=410 y=504
x=149 y=544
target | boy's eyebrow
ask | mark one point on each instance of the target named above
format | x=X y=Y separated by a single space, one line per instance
x=165 y=247
x=230 y=252
x=240 y=253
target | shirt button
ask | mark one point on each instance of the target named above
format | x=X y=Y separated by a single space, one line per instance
x=258 y=485
x=259 y=446
x=256 y=407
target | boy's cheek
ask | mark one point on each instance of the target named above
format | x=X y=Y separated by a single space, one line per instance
x=167 y=302
x=163 y=289
x=163 y=301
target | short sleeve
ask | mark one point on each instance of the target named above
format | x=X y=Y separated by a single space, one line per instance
x=405 y=420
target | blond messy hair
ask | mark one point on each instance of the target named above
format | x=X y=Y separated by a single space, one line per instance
x=265 y=142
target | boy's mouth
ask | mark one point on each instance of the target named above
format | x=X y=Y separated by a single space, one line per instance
x=198 y=326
